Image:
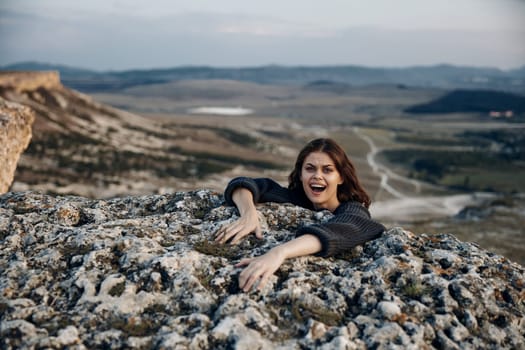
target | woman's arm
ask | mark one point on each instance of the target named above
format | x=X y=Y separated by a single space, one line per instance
x=350 y=226
x=244 y=192
x=262 y=267
x=262 y=189
x=248 y=222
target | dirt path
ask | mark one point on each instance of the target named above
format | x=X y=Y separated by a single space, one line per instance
x=384 y=173
x=410 y=207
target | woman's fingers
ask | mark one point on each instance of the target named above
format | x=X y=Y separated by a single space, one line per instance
x=229 y=227
x=234 y=235
x=227 y=231
x=235 y=231
x=237 y=237
x=244 y=262
x=249 y=276
x=259 y=269
x=258 y=232
x=247 y=281
x=264 y=280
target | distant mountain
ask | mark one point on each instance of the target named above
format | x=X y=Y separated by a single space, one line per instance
x=518 y=72
x=328 y=86
x=442 y=76
x=483 y=101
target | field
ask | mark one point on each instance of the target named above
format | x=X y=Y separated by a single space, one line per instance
x=467 y=152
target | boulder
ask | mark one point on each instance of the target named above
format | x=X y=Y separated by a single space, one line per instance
x=16 y=122
x=144 y=272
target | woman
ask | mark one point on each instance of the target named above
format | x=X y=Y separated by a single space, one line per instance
x=323 y=178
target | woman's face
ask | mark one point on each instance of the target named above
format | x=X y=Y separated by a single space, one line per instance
x=320 y=178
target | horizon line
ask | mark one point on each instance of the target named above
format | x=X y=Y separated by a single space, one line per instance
x=275 y=65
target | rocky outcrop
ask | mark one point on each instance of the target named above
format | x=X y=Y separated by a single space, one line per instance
x=16 y=122
x=29 y=81
x=142 y=272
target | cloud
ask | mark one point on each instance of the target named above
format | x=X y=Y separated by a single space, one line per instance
x=271 y=27
x=122 y=41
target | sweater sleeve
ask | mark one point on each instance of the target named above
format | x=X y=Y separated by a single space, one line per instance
x=350 y=227
x=262 y=189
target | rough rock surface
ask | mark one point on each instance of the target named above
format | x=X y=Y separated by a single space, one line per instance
x=141 y=272
x=16 y=122
x=27 y=81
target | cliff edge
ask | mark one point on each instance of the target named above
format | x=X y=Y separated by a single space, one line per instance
x=142 y=272
x=16 y=122
x=29 y=81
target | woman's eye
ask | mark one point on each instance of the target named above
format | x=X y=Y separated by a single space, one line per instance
x=328 y=170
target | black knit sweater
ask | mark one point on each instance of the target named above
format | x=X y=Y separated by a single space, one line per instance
x=351 y=224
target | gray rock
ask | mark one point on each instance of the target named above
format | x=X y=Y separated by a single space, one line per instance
x=143 y=272
x=16 y=122
x=389 y=310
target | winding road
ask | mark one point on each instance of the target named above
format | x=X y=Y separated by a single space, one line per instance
x=384 y=172
x=404 y=207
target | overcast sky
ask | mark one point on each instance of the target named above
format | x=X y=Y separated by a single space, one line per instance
x=124 y=34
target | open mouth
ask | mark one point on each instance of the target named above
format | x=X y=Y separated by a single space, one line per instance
x=317 y=188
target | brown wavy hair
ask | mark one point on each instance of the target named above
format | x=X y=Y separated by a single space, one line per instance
x=350 y=190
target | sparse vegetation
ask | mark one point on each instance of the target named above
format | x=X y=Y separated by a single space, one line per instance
x=506 y=143
x=302 y=311
x=49 y=144
x=415 y=290
x=208 y=161
x=136 y=327
x=237 y=137
x=430 y=139
x=490 y=164
x=145 y=131
x=117 y=289
x=230 y=252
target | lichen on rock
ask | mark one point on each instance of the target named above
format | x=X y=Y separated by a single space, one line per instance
x=143 y=272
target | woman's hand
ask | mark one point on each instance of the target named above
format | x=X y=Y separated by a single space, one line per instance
x=262 y=267
x=247 y=224
x=259 y=269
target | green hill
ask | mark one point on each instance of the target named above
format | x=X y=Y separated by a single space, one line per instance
x=477 y=101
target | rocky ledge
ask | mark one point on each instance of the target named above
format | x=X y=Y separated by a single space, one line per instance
x=16 y=122
x=142 y=272
x=29 y=81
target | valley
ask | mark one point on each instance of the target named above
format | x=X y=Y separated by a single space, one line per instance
x=453 y=172
x=369 y=122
